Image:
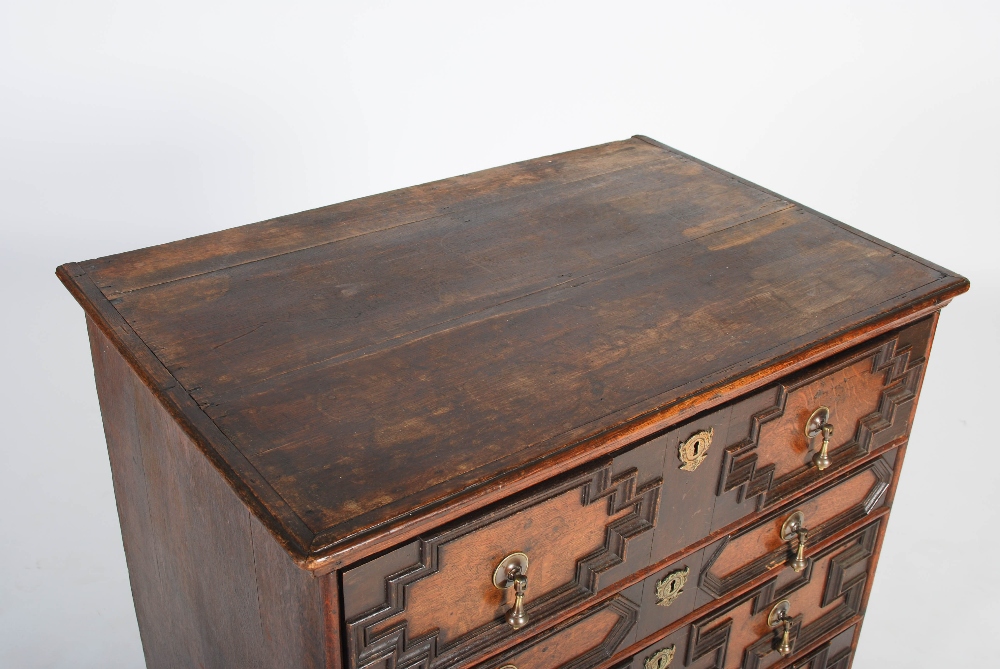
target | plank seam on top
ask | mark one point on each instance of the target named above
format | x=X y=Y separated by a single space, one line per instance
x=468 y=317
x=117 y=294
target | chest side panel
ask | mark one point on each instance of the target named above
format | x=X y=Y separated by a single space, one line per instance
x=211 y=586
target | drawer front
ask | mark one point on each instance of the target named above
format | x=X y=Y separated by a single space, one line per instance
x=582 y=642
x=754 y=454
x=870 y=392
x=433 y=602
x=822 y=599
x=750 y=552
x=834 y=654
x=692 y=456
x=671 y=593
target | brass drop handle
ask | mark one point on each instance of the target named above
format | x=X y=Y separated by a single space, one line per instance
x=517 y=617
x=779 y=617
x=785 y=646
x=512 y=572
x=794 y=529
x=819 y=423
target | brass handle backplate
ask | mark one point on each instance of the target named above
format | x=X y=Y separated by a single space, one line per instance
x=513 y=572
x=819 y=423
x=793 y=529
x=779 y=617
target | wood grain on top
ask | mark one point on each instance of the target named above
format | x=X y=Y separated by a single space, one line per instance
x=377 y=358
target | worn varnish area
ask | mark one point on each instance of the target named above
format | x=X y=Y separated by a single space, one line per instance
x=342 y=438
x=376 y=357
x=364 y=292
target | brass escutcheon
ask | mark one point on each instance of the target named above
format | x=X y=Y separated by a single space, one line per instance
x=694 y=451
x=661 y=659
x=671 y=586
x=513 y=572
x=819 y=423
x=779 y=617
x=794 y=529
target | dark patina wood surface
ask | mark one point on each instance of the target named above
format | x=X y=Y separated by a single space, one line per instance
x=403 y=358
x=211 y=589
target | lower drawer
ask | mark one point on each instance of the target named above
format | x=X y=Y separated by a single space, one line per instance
x=583 y=641
x=441 y=600
x=748 y=554
x=834 y=654
x=741 y=633
x=820 y=606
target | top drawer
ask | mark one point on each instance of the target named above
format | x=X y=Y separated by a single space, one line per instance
x=750 y=455
x=433 y=602
x=865 y=397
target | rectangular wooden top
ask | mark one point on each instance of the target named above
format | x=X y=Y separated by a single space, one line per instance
x=360 y=371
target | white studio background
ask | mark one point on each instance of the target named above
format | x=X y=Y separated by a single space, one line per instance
x=127 y=124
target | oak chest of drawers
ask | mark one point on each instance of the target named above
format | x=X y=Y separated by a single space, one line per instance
x=609 y=408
